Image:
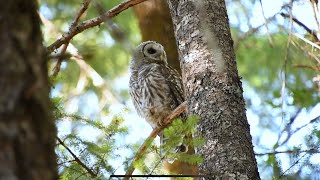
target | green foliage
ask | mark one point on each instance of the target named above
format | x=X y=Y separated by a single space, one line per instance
x=181 y=132
x=263 y=66
x=262 y=63
x=104 y=60
x=150 y=162
x=82 y=96
x=95 y=154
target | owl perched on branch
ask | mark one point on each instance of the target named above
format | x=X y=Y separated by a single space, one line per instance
x=155 y=87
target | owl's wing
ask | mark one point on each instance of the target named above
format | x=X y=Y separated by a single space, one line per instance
x=173 y=79
x=135 y=93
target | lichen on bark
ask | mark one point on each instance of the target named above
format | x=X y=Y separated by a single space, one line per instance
x=213 y=87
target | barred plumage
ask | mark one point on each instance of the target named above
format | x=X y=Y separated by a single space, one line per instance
x=155 y=87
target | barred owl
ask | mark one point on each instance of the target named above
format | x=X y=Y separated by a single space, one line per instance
x=155 y=87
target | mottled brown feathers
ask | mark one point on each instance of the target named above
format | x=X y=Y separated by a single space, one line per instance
x=155 y=87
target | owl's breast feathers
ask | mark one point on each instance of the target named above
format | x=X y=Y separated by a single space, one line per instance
x=156 y=90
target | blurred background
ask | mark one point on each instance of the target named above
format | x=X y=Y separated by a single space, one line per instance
x=277 y=48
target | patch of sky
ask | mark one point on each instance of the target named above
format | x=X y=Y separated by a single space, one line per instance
x=122 y=83
x=108 y=40
x=56 y=91
x=46 y=11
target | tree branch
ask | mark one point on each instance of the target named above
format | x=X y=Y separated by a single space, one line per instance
x=312 y=150
x=76 y=158
x=296 y=162
x=252 y=31
x=311 y=32
x=181 y=108
x=315 y=68
x=91 y=23
x=74 y=23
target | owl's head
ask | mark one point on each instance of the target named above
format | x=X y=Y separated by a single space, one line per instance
x=148 y=52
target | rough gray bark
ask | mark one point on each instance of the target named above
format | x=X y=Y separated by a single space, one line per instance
x=213 y=88
x=27 y=130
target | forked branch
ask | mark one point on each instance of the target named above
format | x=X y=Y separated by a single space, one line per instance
x=91 y=23
x=74 y=23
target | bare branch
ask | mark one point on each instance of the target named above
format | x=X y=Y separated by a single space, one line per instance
x=181 y=108
x=83 y=8
x=304 y=49
x=91 y=23
x=73 y=53
x=307 y=41
x=296 y=162
x=76 y=158
x=315 y=68
x=311 y=32
x=283 y=71
x=267 y=27
x=315 y=119
x=74 y=23
x=289 y=152
x=253 y=31
x=288 y=127
x=56 y=68
x=315 y=9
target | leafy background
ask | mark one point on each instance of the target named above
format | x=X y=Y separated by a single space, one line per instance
x=277 y=59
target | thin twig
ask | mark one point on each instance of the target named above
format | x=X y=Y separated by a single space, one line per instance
x=58 y=55
x=311 y=32
x=91 y=23
x=315 y=68
x=296 y=162
x=92 y=174
x=313 y=150
x=284 y=67
x=73 y=25
x=253 y=31
x=116 y=33
x=315 y=119
x=310 y=54
x=267 y=27
x=60 y=164
x=315 y=10
x=73 y=54
x=307 y=41
x=315 y=4
x=287 y=128
x=83 y=8
x=56 y=68
x=181 y=108
x=156 y=165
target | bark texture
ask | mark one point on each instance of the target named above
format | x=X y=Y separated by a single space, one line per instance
x=156 y=25
x=27 y=130
x=213 y=88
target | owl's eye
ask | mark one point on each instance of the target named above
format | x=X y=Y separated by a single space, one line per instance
x=151 y=51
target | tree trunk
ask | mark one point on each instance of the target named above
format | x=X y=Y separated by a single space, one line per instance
x=27 y=130
x=213 y=88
